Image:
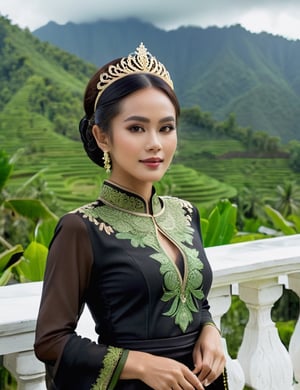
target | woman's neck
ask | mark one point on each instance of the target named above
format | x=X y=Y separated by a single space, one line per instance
x=144 y=191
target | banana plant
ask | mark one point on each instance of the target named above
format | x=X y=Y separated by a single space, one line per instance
x=219 y=227
x=8 y=260
x=33 y=263
x=26 y=264
x=286 y=226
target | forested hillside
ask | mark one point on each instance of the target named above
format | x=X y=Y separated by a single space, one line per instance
x=38 y=84
x=222 y=70
x=41 y=90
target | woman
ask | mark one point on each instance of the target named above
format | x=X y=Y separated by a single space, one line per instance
x=136 y=259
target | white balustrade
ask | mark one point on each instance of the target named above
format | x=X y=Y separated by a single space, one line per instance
x=265 y=361
x=254 y=269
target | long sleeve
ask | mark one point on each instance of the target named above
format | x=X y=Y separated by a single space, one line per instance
x=72 y=359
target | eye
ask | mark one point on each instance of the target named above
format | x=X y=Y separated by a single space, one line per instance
x=167 y=128
x=136 y=129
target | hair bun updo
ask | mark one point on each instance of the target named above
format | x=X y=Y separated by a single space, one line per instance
x=89 y=142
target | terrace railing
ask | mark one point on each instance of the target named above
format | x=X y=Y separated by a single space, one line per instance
x=256 y=271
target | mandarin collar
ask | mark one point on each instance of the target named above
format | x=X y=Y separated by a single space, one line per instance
x=123 y=199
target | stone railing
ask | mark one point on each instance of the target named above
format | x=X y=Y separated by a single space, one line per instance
x=256 y=271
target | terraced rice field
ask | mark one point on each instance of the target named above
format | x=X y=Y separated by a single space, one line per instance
x=198 y=188
x=72 y=177
x=75 y=180
x=261 y=174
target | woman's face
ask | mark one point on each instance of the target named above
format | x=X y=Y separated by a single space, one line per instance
x=143 y=140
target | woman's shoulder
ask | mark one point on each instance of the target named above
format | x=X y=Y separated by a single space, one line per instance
x=84 y=208
x=76 y=217
x=176 y=201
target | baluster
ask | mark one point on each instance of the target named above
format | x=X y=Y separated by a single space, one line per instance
x=27 y=369
x=294 y=347
x=265 y=360
x=220 y=301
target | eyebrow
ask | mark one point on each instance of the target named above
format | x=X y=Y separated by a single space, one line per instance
x=146 y=120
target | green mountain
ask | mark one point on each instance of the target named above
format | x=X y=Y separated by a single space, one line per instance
x=39 y=80
x=222 y=70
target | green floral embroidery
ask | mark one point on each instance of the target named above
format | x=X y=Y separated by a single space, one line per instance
x=122 y=200
x=140 y=229
x=175 y=221
x=183 y=299
x=109 y=364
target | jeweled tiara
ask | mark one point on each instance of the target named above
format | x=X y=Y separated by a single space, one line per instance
x=139 y=62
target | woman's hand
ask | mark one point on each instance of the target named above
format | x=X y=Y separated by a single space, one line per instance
x=208 y=355
x=159 y=373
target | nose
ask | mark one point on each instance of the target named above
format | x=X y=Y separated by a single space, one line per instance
x=154 y=143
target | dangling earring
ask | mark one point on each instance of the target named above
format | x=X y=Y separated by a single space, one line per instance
x=106 y=159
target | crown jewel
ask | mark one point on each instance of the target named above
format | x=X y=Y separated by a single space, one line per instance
x=139 y=62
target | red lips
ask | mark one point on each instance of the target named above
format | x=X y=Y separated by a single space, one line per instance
x=152 y=160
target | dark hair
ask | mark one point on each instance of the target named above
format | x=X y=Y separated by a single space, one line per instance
x=109 y=105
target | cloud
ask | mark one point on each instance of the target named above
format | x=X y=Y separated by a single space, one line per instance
x=275 y=16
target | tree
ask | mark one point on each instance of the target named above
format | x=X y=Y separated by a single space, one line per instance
x=251 y=203
x=294 y=160
x=273 y=144
x=288 y=198
x=195 y=117
x=260 y=141
x=230 y=126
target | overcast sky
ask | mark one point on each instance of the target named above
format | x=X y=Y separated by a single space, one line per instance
x=279 y=17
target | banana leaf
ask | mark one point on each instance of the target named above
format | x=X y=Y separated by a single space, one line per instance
x=32 y=268
x=6 y=168
x=33 y=209
x=220 y=226
x=9 y=259
x=279 y=222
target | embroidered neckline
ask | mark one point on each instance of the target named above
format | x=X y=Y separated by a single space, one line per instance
x=123 y=214
x=123 y=199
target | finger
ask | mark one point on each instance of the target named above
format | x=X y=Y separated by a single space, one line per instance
x=203 y=376
x=206 y=368
x=179 y=386
x=212 y=366
x=214 y=373
x=197 y=364
x=176 y=387
x=194 y=381
x=189 y=381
